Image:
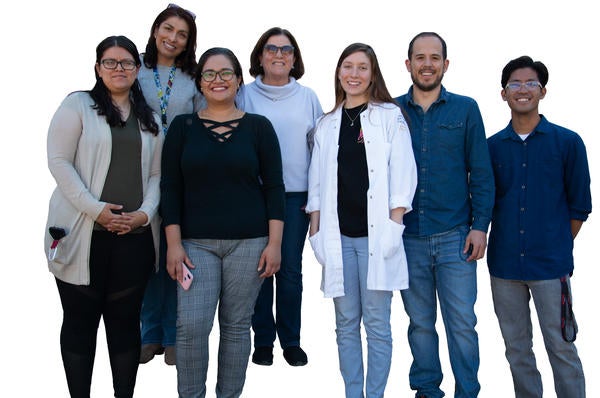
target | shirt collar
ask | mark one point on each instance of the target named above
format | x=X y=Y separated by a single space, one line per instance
x=543 y=127
x=442 y=98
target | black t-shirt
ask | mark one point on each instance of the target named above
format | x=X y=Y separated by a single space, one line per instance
x=353 y=178
x=221 y=189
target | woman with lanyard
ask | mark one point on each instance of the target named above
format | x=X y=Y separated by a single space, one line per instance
x=166 y=81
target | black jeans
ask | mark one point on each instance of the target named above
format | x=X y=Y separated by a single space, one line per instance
x=119 y=270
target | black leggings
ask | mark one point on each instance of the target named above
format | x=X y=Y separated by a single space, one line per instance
x=119 y=270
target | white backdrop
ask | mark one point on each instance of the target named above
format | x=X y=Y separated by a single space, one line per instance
x=50 y=50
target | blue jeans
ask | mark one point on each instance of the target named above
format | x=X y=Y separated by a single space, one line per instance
x=511 y=303
x=288 y=294
x=159 y=308
x=373 y=307
x=225 y=275
x=438 y=267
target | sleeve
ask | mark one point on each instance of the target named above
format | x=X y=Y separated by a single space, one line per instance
x=171 y=182
x=64 y=134
x=577 y=180
x=199 y=100
x=271 y=170
x=317 y=112
x=152 y=194
x=314 y=179
x=402 y=166
x=479 y=167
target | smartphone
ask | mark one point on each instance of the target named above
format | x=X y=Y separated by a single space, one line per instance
x=187 y=277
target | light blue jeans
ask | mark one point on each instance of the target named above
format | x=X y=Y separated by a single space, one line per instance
x=373 y=307
x=511 y=303
x=438 y=270
x=225 y=275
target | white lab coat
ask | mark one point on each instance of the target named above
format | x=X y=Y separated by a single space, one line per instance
x=392 y=184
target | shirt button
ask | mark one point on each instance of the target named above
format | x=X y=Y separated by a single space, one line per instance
x=371 y=225
x=522 y=209
x=422 y=190
x=524 y=144
x=423 y=169
x=524 y=164
x=421 y=212
x=523 y=186
x=522 y=232
x=522 y=254
x=371 y=170
x=370 y=254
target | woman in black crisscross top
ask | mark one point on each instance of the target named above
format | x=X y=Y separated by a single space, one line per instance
x=223 y=206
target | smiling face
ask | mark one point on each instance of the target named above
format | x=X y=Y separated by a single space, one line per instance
x=277 y=66
x=427 y=64
x=523 y=101
x=171 y=38
x=118 y=80
x=219 y=90
x=354 y=74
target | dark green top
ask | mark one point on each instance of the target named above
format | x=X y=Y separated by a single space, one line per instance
x=221 y=188
x=123 y=184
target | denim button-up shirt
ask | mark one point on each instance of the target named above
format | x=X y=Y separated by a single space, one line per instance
x=542 y=183
x=455 y=178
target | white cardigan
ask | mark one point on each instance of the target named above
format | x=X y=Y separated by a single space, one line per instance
x=392 y=184
x=79 y=152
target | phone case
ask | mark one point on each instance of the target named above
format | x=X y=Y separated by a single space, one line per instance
x=187 y=277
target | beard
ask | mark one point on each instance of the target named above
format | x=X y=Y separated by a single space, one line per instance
x=426 y=87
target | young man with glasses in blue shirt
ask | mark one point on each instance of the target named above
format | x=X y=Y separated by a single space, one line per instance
x=542 y=198
x=446 y=231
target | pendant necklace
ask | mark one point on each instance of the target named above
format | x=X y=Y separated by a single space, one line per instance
x=357 y=115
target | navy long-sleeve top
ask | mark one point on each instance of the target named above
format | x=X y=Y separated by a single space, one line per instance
x=221 y=189
x=542 y=183
x=455 y=179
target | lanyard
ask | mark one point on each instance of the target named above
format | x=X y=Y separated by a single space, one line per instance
x=164 y=98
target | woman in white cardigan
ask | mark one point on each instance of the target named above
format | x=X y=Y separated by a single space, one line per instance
x=362 y=179
x=104 y=152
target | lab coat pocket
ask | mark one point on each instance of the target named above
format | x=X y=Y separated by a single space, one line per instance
x=317 y=246
x=391 y=240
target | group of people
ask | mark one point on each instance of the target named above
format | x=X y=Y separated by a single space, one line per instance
x=172 y=168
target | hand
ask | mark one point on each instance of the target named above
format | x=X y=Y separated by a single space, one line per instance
x=107 y=217
x=175 y=257
x=270 y=260
x=477 y=242
x=128 y=222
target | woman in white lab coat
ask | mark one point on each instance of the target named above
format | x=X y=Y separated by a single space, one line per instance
x=362 y=179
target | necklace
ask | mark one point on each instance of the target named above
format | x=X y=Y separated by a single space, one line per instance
x=362 y=108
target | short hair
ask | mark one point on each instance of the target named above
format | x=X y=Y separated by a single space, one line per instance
x=256 y=68
x=377 y=90
x=186 y=61
x=237 y=67
x=428 y=34
x=524 y=61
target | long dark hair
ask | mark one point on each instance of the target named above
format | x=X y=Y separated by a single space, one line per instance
x=256 y=68
x=102 y=98
x=186 y=61
x=377 y=90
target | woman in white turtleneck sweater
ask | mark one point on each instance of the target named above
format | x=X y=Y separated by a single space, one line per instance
x=276 y=64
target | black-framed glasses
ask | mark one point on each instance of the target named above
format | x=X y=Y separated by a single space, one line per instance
x=273 y=49
x=529 y=86
x=173 y=5
x=210 y=75
x=126 y=64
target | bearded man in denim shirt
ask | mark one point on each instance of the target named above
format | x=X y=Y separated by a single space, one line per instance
x=446 y=231
x=542 y=199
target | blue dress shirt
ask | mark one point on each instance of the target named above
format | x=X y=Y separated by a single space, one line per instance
x=542 y=183
x=455 y=178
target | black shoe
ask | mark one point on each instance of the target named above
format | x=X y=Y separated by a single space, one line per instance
x=295 y=356
x=263 y=356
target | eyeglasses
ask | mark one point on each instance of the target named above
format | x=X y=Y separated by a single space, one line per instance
x=273 y=49
x=210 y=75
x=126 y=64
x=529 y=86
x=173 y=5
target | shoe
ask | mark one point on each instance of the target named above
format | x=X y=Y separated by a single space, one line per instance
x=170 y=355
x=295 y=356
x=263 y=356
x=148 y=352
